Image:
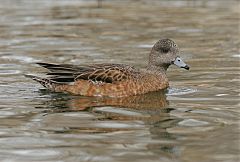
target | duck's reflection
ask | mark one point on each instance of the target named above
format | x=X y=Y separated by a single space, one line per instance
x=151 y=109
x=151 y=101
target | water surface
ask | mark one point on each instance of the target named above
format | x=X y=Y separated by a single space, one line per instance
x=196 y=119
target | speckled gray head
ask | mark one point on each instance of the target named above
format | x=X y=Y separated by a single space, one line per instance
x=165 y=53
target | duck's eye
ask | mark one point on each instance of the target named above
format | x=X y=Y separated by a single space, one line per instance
x=165 y=50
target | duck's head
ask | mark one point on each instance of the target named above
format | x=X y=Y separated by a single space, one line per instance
x=165 y=53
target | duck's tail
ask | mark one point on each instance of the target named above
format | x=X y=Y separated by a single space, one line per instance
x=47 y=83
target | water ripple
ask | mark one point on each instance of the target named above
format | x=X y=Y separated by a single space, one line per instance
x=180 y=91
x=192 y=123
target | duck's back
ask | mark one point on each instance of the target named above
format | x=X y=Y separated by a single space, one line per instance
x=114 y=80
x=142 y=83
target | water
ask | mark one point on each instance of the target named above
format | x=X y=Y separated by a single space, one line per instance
x=195 y=120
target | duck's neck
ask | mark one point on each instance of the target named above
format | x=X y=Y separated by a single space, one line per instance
x=157 y=69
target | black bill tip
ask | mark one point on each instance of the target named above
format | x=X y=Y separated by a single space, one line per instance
x=186 y=67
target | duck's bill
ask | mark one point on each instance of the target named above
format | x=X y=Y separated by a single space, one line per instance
x=179 y=62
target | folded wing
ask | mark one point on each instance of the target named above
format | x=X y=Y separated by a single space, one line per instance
x=106 y=73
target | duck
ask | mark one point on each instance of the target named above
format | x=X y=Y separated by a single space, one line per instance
x=114 y=80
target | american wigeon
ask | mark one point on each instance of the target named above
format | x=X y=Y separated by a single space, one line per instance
x=114 y=80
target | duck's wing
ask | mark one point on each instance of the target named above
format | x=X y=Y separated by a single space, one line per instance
x=106 y=73
x=62 y=73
